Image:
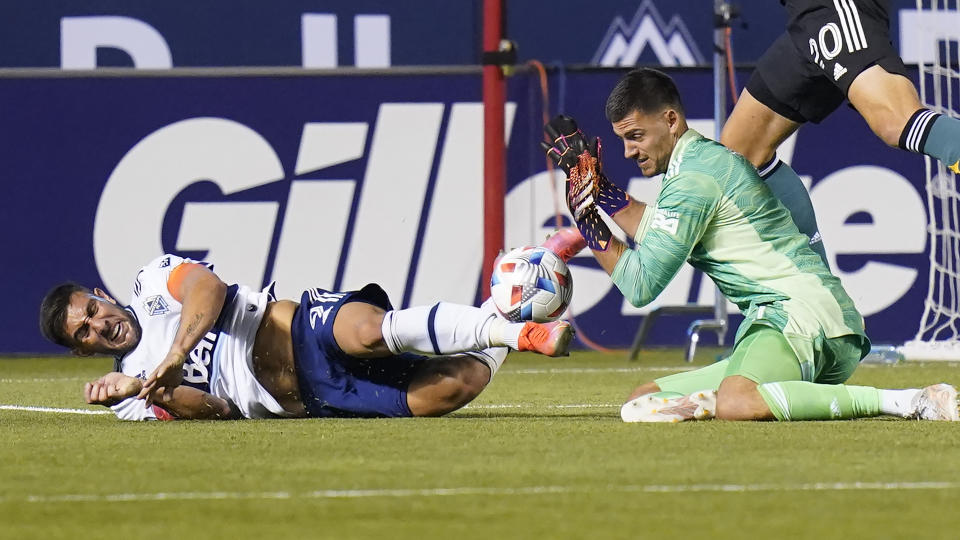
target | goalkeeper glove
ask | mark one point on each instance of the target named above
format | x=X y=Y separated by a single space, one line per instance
x=569 y=144
x=582 y=206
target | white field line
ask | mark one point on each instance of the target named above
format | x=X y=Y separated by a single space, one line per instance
x=58 y=410
x=52 y=410
x=41 y=380
x=532 y=406
x=637 y=369
x=482 y=491
x=543 y=371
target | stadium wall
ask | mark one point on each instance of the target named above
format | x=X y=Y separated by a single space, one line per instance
x=78 y=34
x=337 y=178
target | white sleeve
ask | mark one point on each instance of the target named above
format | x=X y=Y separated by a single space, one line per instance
x=133 y=409
x=153 y=277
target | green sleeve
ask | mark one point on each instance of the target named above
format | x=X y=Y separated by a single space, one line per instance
x=667 y=234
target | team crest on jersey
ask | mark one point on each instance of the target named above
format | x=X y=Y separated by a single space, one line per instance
x=156 y=305
x=165 y=262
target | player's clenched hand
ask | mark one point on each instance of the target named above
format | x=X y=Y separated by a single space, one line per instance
x=167 y=376
x=111 y=389
x=581 y=190
x=581 y=186
x=567 y=149
x=567 y=142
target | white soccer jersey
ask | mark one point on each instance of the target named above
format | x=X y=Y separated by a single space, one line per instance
x=221 y=363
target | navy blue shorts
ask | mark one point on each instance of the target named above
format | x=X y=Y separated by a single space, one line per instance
x=334 y=384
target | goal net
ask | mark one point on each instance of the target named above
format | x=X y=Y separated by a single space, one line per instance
x=938 y=337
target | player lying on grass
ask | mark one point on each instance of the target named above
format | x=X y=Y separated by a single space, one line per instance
x=832 y=51
x=801 y=336
x=189 y=346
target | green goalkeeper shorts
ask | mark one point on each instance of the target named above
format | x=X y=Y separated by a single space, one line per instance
x=765 y=355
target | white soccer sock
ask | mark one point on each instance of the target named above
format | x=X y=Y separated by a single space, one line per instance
x=898 y=402
x=445 y=328
x=502 y=331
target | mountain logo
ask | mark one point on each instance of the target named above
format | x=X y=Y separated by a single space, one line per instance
x=671 y=41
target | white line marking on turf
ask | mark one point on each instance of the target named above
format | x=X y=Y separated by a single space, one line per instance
x=47 y=379
x=460 y=491
x=531 y=405
x=51 y=409
x=532 y=371
x=597 y=370
x=472 y=406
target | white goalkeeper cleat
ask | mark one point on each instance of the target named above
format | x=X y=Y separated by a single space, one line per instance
x=700 y=405
x=936 y=402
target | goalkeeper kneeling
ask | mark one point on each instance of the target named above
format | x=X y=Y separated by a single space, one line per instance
x=802 y=336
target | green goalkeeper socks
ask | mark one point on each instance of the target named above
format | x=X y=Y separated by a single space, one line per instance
x=800 y=400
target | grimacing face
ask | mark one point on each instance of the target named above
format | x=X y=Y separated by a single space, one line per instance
x=649 y=139
x=95 y=324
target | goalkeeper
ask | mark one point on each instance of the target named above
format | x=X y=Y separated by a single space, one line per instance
x=801 y=337
x=832 y=50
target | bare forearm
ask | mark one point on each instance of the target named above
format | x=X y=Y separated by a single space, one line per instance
x=201 y=307
x=189 y=403
x=629 y=218
x=608 y=259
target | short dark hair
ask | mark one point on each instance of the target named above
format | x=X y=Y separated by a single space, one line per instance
x=53 y=312
x=644 y=90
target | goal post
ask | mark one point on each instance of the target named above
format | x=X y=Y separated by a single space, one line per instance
x=938 y=337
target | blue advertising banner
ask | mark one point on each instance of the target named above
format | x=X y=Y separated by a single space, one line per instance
x=339 y=180
x=378 y=33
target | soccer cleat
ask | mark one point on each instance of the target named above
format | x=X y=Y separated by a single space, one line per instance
x=700 y=405
x=551 y=339
x=936 y=402
x=566 y=243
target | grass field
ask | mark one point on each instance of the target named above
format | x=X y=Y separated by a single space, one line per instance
x=541 y=454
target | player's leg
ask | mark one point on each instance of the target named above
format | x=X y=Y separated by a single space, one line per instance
x=747 y=392
x=828 y=398
x=343 y=367
x=891 y=106
x=446 y=384
x=754 y=130
x=765 y=379
x=769 y=369
x=446 y=328
x=780 y=96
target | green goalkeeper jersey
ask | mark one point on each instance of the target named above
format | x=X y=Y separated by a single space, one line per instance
x=715 y=212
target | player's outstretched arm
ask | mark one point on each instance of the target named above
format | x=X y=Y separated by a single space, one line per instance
x=184 y=402
x=188 y=403
x=202 y=294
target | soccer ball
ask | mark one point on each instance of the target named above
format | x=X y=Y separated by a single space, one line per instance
x=531 y=284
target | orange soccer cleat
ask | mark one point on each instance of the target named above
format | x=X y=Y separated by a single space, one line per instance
x=551 y=339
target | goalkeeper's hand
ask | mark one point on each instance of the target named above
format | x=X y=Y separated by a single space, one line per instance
x=583 y=206
x=567 y=150
x=568 y=142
